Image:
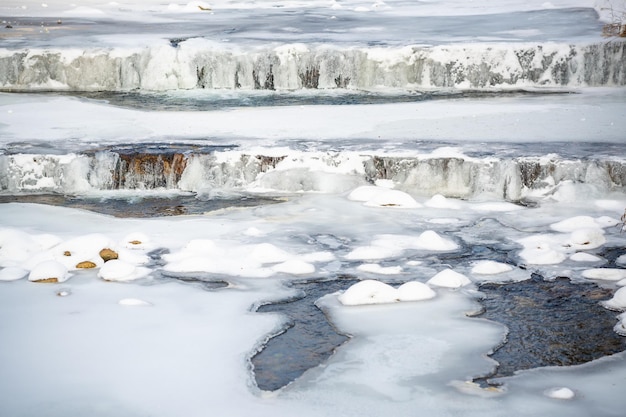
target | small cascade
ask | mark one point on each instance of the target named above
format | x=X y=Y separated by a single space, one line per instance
x=200 y=64
x=507 y=178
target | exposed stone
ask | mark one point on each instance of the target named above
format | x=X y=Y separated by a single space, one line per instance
x=46 y=280
x=67 y=253
x=85 y=265
x=135 y=242
x=108 y=254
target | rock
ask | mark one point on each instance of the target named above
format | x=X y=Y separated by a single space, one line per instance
x=67 y=253
x=85 y=265
x=108 y=254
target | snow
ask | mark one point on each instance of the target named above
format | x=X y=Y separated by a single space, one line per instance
x=562 y=393
x=618 y=301
x=89 y=346
x=449 y=279
x=49 y=270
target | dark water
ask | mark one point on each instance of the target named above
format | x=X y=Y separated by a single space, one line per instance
x=142 y=207
x=308 y=341
x=554 y=323
x=203 y=101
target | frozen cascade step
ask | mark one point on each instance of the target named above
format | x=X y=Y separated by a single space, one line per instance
x=509 y=178
x=200 y=64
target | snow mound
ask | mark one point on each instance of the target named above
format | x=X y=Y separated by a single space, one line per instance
x=589 y=238
x=449 y=279
x=117 y=270
x=620 y=327
x=49 y=271
x=585 y=257
x=294 y=267
x=439 y=201
x=374 y=196
x=133 y=302
x=582 y=222
x=542 y=250
x=12 y=273
x=368 y=292
x=618 y=302
x=490 y=268
x=415 y=291
x=375 y=292
x=560 y=393
x=605 y=274
x=378 y=269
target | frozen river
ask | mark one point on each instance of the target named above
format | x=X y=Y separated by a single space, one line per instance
x=408 y=192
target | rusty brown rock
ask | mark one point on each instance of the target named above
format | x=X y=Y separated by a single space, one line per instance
x=67 y=253
x=85 y=265
x=135 y=242
x=46 y=280
x=108 y=254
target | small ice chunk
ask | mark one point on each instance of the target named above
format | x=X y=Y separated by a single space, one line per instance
x=294 y=267
x=133 y=302
x=49 y=271
x=605 y=274
x=368 y=291
x=415 y=291
x=12 y=273
x=618 y=302
x=621 y=260
x=117 y=270
x=490 y=268
x=449 y=279
x=253 y=232
x=377 y=269
x=560 y=393
x=585 y=257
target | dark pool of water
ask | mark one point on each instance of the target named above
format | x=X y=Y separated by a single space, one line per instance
x=550 y=323
x=143 y=207
x=308 y=342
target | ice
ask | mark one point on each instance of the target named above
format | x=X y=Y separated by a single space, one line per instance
x=385 y=166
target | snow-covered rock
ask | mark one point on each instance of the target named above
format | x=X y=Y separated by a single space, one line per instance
x=368 y=292
x=117 y=270
x=415 y=291
x=449 y=279
x=618 y=302
x=49 y=271
x=490 y=268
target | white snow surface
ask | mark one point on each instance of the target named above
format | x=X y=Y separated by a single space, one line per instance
x=81 y=348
